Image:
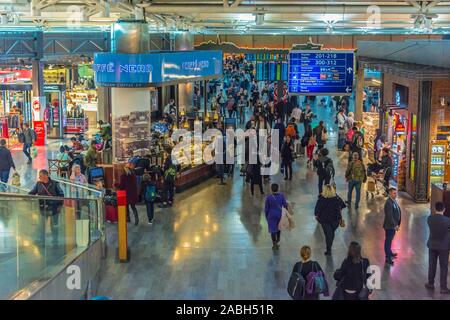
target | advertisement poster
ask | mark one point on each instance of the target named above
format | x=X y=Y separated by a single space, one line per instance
x=39 y=128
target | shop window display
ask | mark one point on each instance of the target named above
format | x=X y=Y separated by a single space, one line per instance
x=399 y=137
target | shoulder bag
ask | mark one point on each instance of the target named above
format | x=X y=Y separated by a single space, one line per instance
x=297 y=284
x=365 y=292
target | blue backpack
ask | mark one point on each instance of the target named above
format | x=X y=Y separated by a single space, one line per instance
x=150 y=193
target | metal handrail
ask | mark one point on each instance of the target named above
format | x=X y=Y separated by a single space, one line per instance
x=88 y=187
x=9 y=186
x=39 y=197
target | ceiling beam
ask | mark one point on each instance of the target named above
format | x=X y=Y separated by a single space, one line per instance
x=303 y=9
x=236 y=3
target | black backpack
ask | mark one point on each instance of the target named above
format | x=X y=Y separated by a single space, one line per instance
x=297 y=284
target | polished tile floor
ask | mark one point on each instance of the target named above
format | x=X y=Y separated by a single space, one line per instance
x=214 y=244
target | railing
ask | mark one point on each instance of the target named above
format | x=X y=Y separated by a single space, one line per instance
x=40 y=235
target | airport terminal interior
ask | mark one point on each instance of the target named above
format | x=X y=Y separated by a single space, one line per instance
x=198 y=150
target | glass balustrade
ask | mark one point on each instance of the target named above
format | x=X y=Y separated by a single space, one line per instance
x=40 y=235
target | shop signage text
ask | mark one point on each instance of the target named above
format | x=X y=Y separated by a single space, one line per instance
x=153 y=69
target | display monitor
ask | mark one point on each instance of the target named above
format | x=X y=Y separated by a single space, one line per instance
x=401 y=95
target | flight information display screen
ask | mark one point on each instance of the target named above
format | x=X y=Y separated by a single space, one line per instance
x=321 y=72
x=272 y=71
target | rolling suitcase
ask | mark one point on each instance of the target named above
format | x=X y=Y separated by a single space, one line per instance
x=111 y=213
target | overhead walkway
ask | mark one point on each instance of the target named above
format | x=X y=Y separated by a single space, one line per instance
x=37 y=245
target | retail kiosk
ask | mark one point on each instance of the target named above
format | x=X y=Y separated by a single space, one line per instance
x=132 y=78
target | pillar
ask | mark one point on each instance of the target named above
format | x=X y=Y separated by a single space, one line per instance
x=422 y=156
x=359 y=93
x=185 y=41
x=104 y=104
x=130 y=107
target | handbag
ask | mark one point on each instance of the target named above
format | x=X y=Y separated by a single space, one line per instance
x=316 y=282
x=33 y=152
x=339 y=292
x=297 y=284
x=365 y=292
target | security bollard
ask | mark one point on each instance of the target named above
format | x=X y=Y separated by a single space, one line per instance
x=123 y=251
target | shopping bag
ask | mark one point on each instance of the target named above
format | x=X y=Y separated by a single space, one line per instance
x=33 y=152
x=287 y=221
x=82 y=232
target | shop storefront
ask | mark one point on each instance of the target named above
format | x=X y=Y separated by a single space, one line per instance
x=55 y=110
x=135 y=85
x=416 y=123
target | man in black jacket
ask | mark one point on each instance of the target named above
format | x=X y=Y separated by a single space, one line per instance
x=392 y=219
x=48 y=188
x=438 y=247
x=325 y=168
x=6 y=162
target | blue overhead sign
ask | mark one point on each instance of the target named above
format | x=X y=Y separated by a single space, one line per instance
x=321 y=72
x=154 y=69
x=183 y=66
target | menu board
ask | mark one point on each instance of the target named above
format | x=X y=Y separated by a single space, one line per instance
x=437 y=163
x=321 y=72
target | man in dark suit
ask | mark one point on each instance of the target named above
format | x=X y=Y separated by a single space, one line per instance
x=438 y=247
x=392 y=219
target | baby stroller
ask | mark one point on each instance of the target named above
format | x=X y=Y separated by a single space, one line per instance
x=375 y=180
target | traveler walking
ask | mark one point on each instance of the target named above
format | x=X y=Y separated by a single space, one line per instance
x=287 y=157
x=391 y=225
x=355 y=175
x=309 y=270
x=352 y=276
x=170 y=173
x=6 y=162
x=317 y=132
x=325 y=168
x=148 y=194
x=328 y=214
x=306 y=117
x=129 y=184
x=273 y=210
x=438 y=247
x=27 y=137
x=256 y=178
x=281 y=132
x=341 y=121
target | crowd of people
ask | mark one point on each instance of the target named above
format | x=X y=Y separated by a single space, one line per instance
x=257 y=105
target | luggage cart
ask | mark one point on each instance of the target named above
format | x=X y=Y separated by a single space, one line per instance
x=375 y=184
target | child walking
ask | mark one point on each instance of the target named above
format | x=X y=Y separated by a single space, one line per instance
x=148 y=193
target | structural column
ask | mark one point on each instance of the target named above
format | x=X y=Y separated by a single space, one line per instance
x=423 y=144
x=130 y=107
x=359 y=108
x=185 y=41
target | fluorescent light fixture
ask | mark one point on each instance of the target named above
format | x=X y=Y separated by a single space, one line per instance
x=245 y=17
x=259 y=19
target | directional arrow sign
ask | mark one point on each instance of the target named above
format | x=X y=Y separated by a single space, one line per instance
x=348 y=89
x=350 y=69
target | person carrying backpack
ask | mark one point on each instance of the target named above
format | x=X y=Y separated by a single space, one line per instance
x=325 y=168
x=308 y=279
x=355 y=175
x=170 y=172
x=148 y=193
